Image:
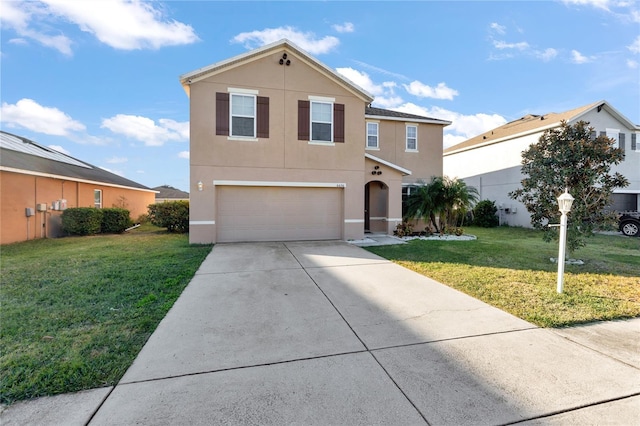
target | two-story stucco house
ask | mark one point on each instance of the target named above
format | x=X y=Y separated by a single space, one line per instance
x=492 y=161
x=284 y=148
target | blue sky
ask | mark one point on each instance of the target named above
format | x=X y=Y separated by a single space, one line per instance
x=99 y=79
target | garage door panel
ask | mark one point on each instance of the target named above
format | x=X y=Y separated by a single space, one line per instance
x=278 y=213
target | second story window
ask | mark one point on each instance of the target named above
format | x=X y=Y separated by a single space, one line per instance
x=372 y=136
x=321 y=121
x=412 y=138
x=243 y=115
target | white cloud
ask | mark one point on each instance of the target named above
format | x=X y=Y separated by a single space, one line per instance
x=500 y=29
x=600 y=4
x=362 y=79
x=579 y=58
x=29 y=114
x=441 y=91
x=307 y=41
x=59 y=149
x=146 y=130
x=635 y=46
x=183 y=154
x=548 y=54
x=632 y=64
x=499 y=44
x=347 y=27
x=121 y=24
x=462 y=127
x=17 y=15
x=117 y=160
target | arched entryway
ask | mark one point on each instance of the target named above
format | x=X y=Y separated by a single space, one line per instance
x=376 y=206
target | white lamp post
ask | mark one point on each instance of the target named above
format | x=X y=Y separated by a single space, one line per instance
x=564 y=203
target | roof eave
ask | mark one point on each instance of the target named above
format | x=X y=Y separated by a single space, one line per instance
x=409 y=119
x=402 y=170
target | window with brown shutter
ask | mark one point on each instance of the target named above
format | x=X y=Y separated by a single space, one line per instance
x=263 y=117
x=338 y=122
x=222 y=114
x=304 y=120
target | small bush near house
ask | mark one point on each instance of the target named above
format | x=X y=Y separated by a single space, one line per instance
x=82 y=221
x=115 y=220
x=173 y=215
x=484 y=214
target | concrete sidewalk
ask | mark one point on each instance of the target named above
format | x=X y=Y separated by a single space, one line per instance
x=328 y=333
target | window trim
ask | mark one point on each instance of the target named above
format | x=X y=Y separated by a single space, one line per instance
x=613 y=134
x=254 y=96
x=377 y=135
x=99 y=204
x=406 y=139
x=331 y=123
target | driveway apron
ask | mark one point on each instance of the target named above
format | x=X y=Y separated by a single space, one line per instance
x=328 y=333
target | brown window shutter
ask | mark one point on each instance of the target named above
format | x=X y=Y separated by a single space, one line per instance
x=338 y=122
x=304 y=120
x=263 y=117
x=222 y=114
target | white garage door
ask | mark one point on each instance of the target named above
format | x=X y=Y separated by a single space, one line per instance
x=278 y=213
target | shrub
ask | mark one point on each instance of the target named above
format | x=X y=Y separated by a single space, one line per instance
x=81 y=221
x=173 y=215
x=484 y=214
x=115 y=220
x=403 y=229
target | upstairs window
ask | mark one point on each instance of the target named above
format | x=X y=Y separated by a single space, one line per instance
x=320 y=120
x=243 y=115
x=412 y=138
x=614 y=134
x=372 y=136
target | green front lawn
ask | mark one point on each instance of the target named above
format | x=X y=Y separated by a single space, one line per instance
x=76 y=311
x=510 y=269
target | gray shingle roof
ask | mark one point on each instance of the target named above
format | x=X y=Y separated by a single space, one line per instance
x=31 y=157
x=381 y=112
x=169 y=192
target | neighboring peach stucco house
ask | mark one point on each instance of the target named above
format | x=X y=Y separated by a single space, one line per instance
x=284 y=148
x=38 y=183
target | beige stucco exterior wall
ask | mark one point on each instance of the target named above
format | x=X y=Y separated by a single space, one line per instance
x=281 y=157
x=19 y=191
x=423 y=163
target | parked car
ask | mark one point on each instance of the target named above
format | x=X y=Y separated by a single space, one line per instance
x=629 y=223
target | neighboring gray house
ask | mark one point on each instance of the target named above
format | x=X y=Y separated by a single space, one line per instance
x=169 y=193
x=491 y=162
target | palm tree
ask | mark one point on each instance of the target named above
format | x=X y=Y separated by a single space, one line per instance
x=458 y=200
x=426 y=201
x=450 y=199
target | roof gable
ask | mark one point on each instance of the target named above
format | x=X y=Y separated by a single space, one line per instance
x=532 y=123
x=283 y=45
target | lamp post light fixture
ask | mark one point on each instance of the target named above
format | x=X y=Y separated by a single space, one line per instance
x=564 y=204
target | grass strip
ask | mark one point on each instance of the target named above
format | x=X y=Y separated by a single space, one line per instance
x=76 y=311
x=510 y=268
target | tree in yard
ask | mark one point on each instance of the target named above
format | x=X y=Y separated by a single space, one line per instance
x=570 y=157
x=443 y=197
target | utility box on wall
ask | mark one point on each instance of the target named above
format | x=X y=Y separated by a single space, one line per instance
x=29 y=211
x=41 y=207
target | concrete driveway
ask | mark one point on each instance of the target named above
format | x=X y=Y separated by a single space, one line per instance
x=326 y=333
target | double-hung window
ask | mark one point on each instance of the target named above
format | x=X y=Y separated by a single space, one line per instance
x=412 y=138
x=321 y=121
x=97 y=198
x=243 y=115
x=372 y=135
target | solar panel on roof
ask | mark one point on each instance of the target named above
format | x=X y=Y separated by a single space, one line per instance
x=14 y=143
